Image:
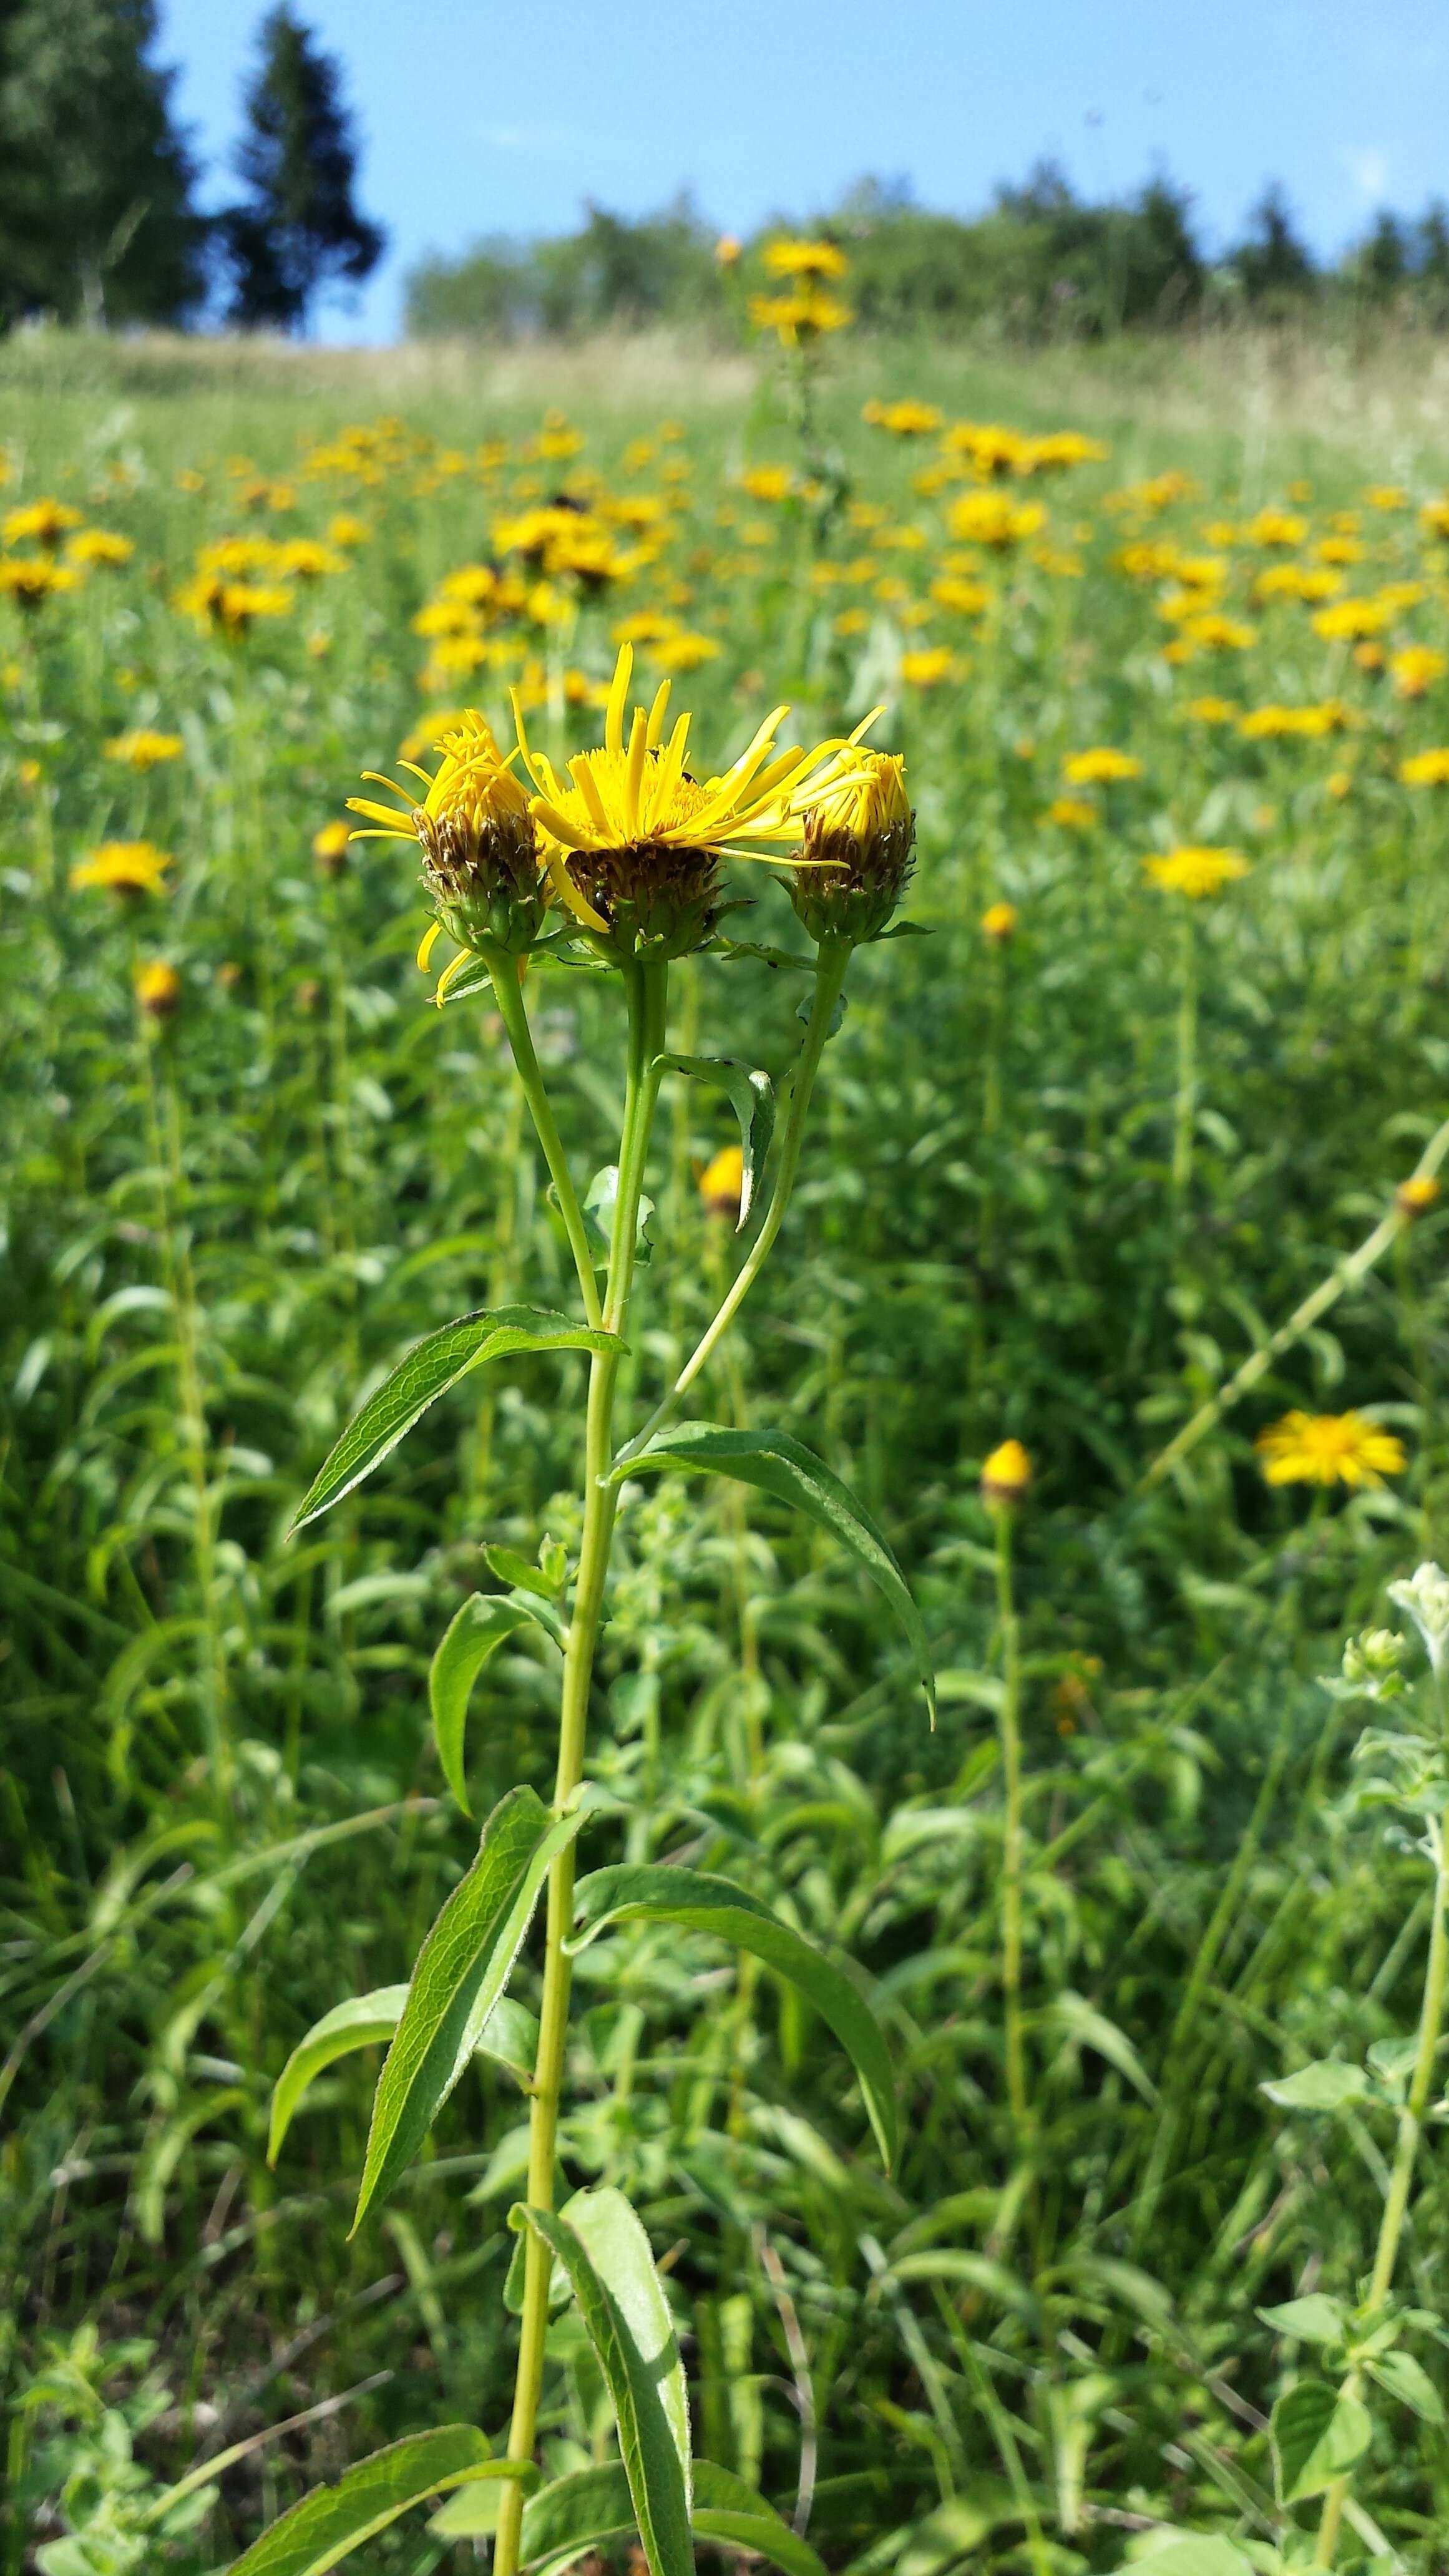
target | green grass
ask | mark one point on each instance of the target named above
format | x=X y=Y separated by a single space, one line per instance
x=240 y=1225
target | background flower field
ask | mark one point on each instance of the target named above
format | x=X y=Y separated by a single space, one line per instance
x=1078 y=1152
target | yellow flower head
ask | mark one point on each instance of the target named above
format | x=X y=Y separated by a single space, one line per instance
x=143 y=749
x=1213 y=711
x=100 y=550
x=632 y=840
x=805 y=314
x=727 y=251
x=1328 y=1449
x=1415 y=668
x=1101 y=767
x=904 y=419
x=927 y=668
x=1275 y=528
x=1197 y=872
x=1425 y=769
x=767 y=482
x=481 y=862
x=1415 y=1196
x=809 y=259
x=125 y=868
x=998 y=922
x=230 y=608
x=860 y=835
x=329 y=848
x=158 y=989
x=38 y=523
x=1006 y=1476
x=722 y=1182
x=1349 y=620
x=993 y=519
x=33 y=579
x=1073 y=813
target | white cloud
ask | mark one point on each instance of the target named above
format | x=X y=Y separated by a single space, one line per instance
x=1368 y=168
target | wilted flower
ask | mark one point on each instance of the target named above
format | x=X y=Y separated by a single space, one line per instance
x=1328 y=1449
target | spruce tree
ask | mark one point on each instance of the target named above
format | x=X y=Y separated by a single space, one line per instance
x=297 y=229
x=96 y=219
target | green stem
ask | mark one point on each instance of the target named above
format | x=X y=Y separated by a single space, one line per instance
x=1012 y=1842
x=830 y=966
x=504 y=971
x=1411 y=2124
x=646 y=988
x=1186 y=1062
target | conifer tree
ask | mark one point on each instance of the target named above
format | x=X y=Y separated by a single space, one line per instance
x=297 y=228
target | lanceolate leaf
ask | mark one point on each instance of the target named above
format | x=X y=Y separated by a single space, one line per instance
x=780 y=1466
x=509 y=2034
x=332 y=2521
x=462 y=1969
x=697 y=1902
x=468 y=1641
x=593 y=2507
x=605 y=2252
x=429 y=1369
x=752 y=1098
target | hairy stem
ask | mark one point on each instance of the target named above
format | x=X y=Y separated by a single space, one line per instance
x=1009 y=1727
x=511 y=1010
x=646 y=990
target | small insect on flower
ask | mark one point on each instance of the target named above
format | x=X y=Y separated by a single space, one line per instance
x=143 y=749
x=158 y=990
x=722 y=1182
x=1417 y=1195
x=1328 y=1449
x=998 y=922
x=1196 y=872
x=482 y=866
x=329 y=848
x=128 y=869
x=1005 y=1477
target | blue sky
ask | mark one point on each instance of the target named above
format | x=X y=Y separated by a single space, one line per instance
x=480 y=118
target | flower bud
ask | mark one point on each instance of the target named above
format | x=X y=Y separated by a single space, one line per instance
x=329 y=848
x=998 y=922
x=158 y=991
x=860 y=837
x=1005 y=1477
x=1417 y=1195
x=721 y=1184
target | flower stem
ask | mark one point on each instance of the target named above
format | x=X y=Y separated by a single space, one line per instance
x=1411 y=2124
x=1186 y=1112
x=830 y=966
x=646 y=990
x=1009 y=1730
x=504 y=971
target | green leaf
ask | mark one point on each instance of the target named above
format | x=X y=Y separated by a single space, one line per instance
x=752 y=1098
x=592 y=2507
x=462 y=1969
x=332 y=2521
x=1316 y=2319
x=605 y=2252
x=697 y=1902
x=1318 y=2433
x=1190 y=2553
x=599 y=1202
x=468 y=1641
x=509 y=2034
x=515 y=1570
x=780 y=1466
x=1325 y=2086
x=1406 y=2379
x=429 y=1369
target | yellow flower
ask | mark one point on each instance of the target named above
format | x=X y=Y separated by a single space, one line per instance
x=727 y=251
x=32 y=579
x=100 y=550
x=1349 y=619
x=999 y=920
x=39 y=523
x=799 y=317
x=126 y=868
x=1433 y=518
x=144 y=749
x=1415 y=1196
x=767 y=482
x=991 y=519
x=1219 y=634
x=158 y=989
x=230 y=607
x=927 y=669
x=1271 y=724
x=1100 y=767
x=345 y=530
x=860 y=835
x=481 y=862
x=722 y=1183
x=632 y=840
x=1425 y=769
x=1415 y=667
x=903 y=419
x=1275 y=528
x=1061 y=448
x=1073 y=813
x=1328 y=1449
x=1339 y=784
x=1213 y=711
x=1196 y=872
x=965 y=598
x=329 y=848
x=683 y=652
x=303 y=559
x=810 y=259
x=1006 y=1476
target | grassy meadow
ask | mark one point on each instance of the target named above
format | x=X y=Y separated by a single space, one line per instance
x=1075 y=1155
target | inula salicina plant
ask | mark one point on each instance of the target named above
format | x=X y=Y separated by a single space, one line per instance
x=608 y=864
